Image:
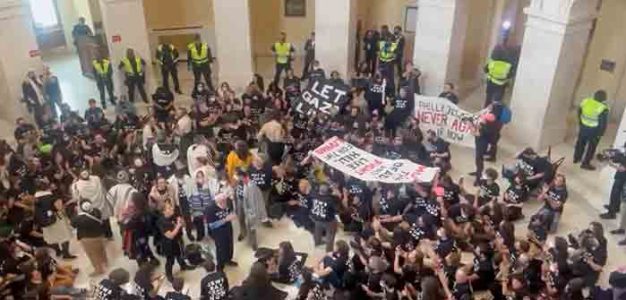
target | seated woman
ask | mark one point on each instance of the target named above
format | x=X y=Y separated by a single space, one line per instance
x=258 y=286
x=514 y=198
x=537 y=169
x=60 y=277
x=146 y=283
x=284 y=265
x=333 y=266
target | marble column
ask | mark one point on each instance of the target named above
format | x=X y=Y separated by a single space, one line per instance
x=439 y=39
x=555 y=42
x=19 y=54
x=233 y=46
x=125 y=27
x=69 y=17
x=335 y=27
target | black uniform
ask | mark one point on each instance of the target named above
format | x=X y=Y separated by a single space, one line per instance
x=172 y=248
x=222 y=233
x=167 y=56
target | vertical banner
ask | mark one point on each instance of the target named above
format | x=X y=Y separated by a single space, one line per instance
x=445 y=118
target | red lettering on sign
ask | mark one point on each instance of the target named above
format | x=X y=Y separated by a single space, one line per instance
x=34 y=53
x=116 y=38
x=369 y=167
x=330 y=145
x=435 y=118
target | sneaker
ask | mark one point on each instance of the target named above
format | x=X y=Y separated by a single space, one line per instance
x=607 y=207
x=268 y=224
x=187 y=268
x=241 y=237
x=622 y=242
x=588 y=167
x=608 y=216
x=490 y=159
x=232 y=264
x=576 y=161
x=69 y=256
x=618 y=231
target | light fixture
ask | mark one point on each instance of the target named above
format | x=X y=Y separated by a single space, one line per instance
x=506 y=25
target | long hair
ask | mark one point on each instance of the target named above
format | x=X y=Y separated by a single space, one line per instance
x=258 y=277
x=288 y=254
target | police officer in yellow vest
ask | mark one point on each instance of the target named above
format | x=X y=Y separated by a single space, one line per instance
x=199 y=60
x=499 y=73
x=103 y=73
x=133 y=67
x=167 y=58
x=282 y=51
x=593 y=116
x=387 y=55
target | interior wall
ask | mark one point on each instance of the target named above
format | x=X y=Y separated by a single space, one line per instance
x=265 y=25
x=167 y=14
x=298 y=29
x=607 y=43
x=83 y=10
x=478 y=35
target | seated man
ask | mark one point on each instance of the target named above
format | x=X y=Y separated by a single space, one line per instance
x=537 y=169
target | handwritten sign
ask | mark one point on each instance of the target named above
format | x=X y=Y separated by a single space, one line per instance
x=321 y=97
x=445 y=118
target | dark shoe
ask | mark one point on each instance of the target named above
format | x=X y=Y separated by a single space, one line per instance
x=232 y=264
x=179 y=92
x=155 y=262
x=607 y=207
x=104 y=105
x=622 y=242
x=618 y=231
x=588 y=167
x=241 y=237
x=170 y=278
x=490 y=159
x=69 y=256
x=576 y=161
x=476 y=182
x=187 y=268
x=268 y=224
x=608 y=216
x=472 y=174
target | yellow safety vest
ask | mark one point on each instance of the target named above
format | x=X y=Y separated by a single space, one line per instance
x=102 y=68
x=387 y=51
x=498 y=71
x=128 y=68
x=591 y=109
x=283 y=50
x=201 y=57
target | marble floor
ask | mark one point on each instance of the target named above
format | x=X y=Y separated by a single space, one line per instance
x=588 y=193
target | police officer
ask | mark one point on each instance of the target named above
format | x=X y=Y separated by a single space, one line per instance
x=309 y=55
x=324 y=214
x=399 y=37
x=167 y=58
x=282 y=51
x=103 y=73
x=593 y=117
x=135 y=78
x=619 y=182
x=498 y=71
x=387 y=55
x=199 y=61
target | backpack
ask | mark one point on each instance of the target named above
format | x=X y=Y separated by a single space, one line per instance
x=506 y=115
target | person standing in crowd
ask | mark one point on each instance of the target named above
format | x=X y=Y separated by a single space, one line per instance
x=387 y=59
x=171 y=227
x=214 y=286
x=90 y=233
x=400 y=40
x=120 y=194
x=103 y=73
x=167 y=58
x=324 y=214
x=80 y=30
x=449 y=93
x=133 y=66
x=593 y=117
x=199 y=61
x=33 y=96
x=272 y=134
x=199 y=199
x=317 y=73
x=282 y=51
x=250 y=207
x=52 y=90
x=498 y=71
x=483 y=136
x=219 y=216
x=619 y=181
x=51 y=218
x=370 y=46
x=182 y=186
x=309 y=55
x=163 y=106
x=89 y=187
x=240 y=157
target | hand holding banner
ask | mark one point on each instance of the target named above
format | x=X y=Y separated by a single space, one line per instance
x=450 y=122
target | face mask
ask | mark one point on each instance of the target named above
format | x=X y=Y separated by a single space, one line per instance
x=138 y=163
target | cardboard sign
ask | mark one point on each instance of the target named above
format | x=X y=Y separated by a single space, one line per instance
x=445 y=118
x=365 y=166
x=116 y=38
x=322 y=97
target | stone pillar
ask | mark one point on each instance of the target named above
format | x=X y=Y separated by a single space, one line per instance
x=125 y=27
x=439 y=39
x=555 y=41
x=232 y=37
x=68 y=17
x=19 y=54
x=335 y=27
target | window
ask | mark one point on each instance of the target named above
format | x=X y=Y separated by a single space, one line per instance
x=44 y=13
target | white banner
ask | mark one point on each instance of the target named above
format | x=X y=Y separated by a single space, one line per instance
x=363 y=165
x=446 y=119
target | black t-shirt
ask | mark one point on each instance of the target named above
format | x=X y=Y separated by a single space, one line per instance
x=451 y=194
x=262 y=177
x=214 y=286
x=323 y=208
x=456 y=214
x=107 y=290
x=450 y=96
x=558 y=195
x=516 y=194
x=374 y=95
x=403 y=106
x=488 y=191
x=88 y=226
x=176 y=296
x=391 y=206
x=163 y=103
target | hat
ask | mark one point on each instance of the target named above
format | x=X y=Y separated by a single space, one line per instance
x=122 y=176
